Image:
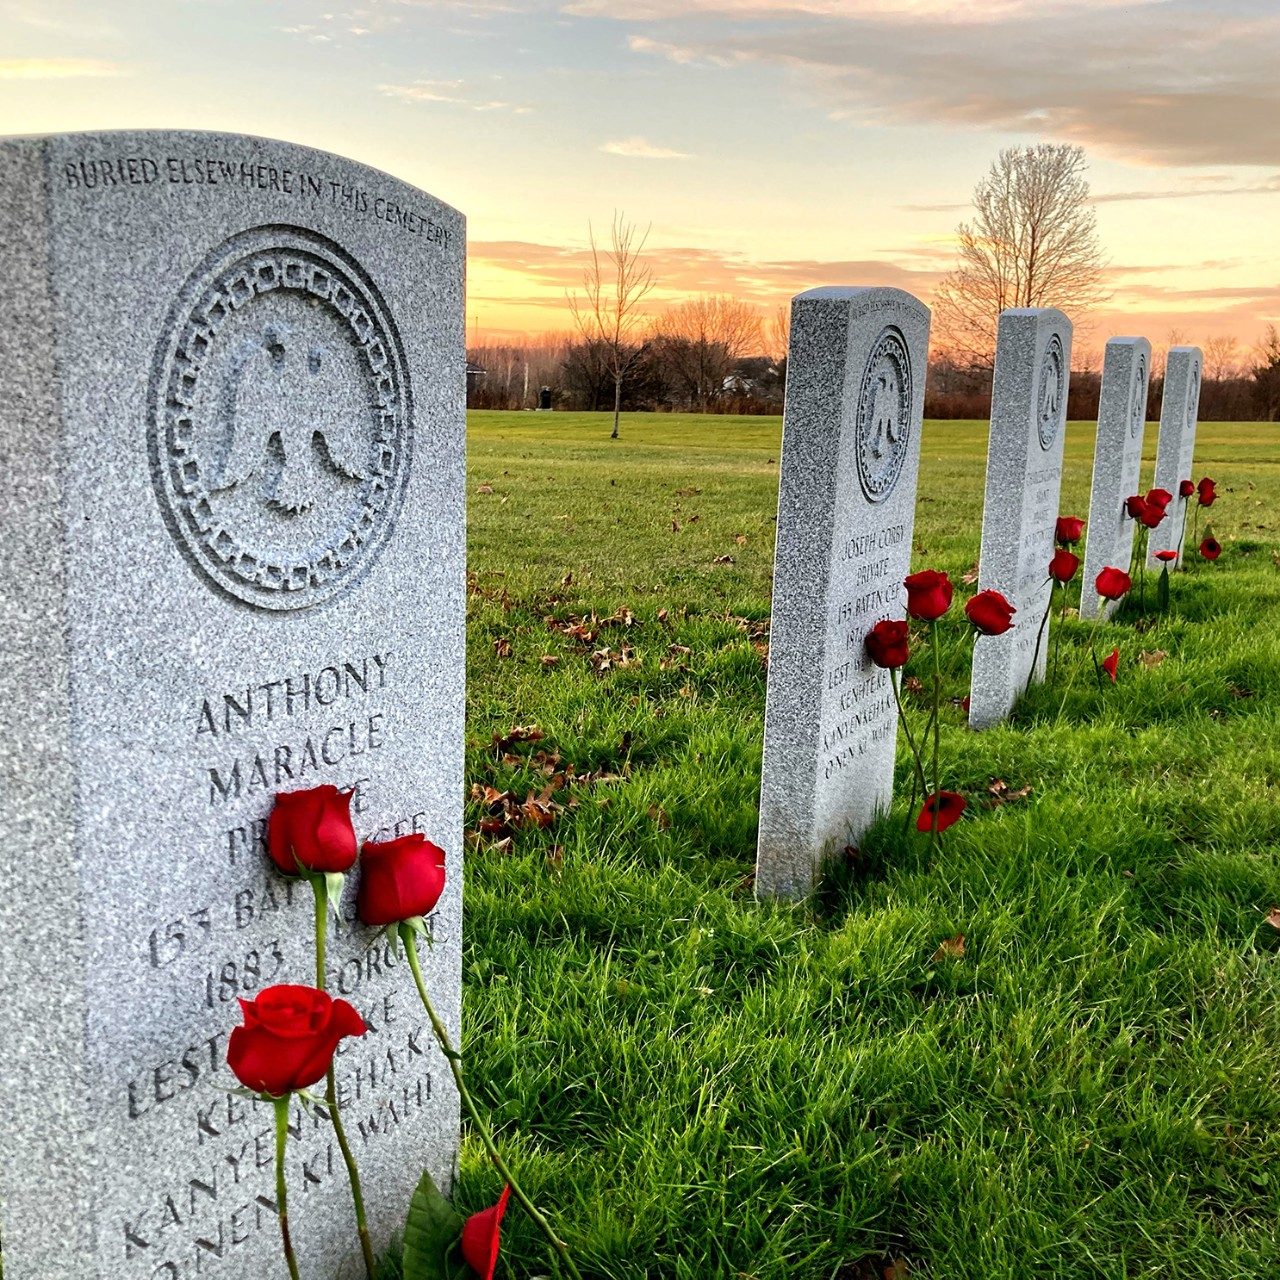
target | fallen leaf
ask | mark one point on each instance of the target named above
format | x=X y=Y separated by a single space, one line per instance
x=502 y=648
x=484 y=488
x=740 y=539
x=663 y=615
x=723 y=560
x=519 y=733
x=1152 y=657
x=567 y=580
x=950 y=949
x=687 y=493
x=913 y=684
x=970 y=576
x=675 y=526
x=659 y=816
x=550 y=660
x=897 y=1270
x=1273 y=917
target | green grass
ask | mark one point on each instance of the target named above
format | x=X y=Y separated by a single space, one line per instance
x=698 y=1086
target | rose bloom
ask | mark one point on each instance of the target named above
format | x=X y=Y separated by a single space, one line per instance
x=1110 y=663
x=1166 y=557
x=1113 y=583
x=928 y=594
x=1207 y=491
x=312 y=828
x=990 y=613
x=1063 y=566
x=1186 y=489
x=1159 y=498
x=1151 y=515
x=887 y=643
x=480 y=1234
x=948 y=805
x=1135 y=506
x=288 y=1038
x=400 y=879
x=1069 y=530
x=1210 y=548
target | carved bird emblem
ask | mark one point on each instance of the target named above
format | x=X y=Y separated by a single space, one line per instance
x=289 y=421
x=885 y=427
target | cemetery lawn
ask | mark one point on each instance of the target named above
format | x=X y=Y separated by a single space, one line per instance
x=698 y=1086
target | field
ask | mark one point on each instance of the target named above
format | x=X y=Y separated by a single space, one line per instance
x=698 y=1086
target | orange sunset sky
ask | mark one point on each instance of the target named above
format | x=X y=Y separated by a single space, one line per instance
x=772 y=146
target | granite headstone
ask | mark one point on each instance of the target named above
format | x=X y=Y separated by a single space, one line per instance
x=1176 y=446
x=846 y=510
x=1020 y=509
x=233 y=475
x=1117 y=464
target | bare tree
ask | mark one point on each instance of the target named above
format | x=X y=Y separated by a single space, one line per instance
x=608 y=314
x=1266 y=374
x=699 y=341
x=1032 y=242
x=779 y=333
x=1221 y=358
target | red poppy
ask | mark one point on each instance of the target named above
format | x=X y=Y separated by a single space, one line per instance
x=480 y=1237
x=948 y=805
x=400 y=879
x=313 y=829
x=1159 y=498
x=1186 y=489
x=1069 y=530
x=928 y=594
x=1207 y=491
x=990 y=613
x=1110 y=663
x=1210 y=548
x=1063 y=566
x=1113 y=583
x=887 y=643
x=1166 y=557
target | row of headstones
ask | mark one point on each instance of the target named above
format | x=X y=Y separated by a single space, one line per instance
x=846 y=510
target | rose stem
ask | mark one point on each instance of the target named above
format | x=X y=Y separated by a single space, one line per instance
x=454 y=1059
x=320 y=887
x=282 y=1206
x=918 y=775
x=1044 y=622
x=937 y=733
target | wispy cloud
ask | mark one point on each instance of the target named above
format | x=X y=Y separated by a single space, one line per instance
x=57 y=68
x=451 y=92
x=642 y=149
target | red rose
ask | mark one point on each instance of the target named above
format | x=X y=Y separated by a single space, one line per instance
x=312 y=828
x=947 y=804
x=990 y=613
x=400 y=879
x=1207 y=491
x=1186 y=489
x=928 y=594
x=1166 y=557
x=1069 y=530
x=480 y=1237
x=1113 y=583
x=1159 y=498
x=288 y=1038
x=1151 y=515
x=1210 y=549
x=887 y=643
x=1110 y=663
x=1135 y=506
x=1063 y=566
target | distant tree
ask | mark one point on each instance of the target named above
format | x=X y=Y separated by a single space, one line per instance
x=1032 y=242
x=1221 y=359
x=608 y=314
x=699 y=343
x=1266 y=375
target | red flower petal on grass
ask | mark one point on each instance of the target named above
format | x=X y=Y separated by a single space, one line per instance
x=990 y=613
x=948 y=805
x=1110 y=663
x=480 y=1237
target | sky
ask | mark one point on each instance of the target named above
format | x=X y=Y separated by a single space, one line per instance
x=768 y=147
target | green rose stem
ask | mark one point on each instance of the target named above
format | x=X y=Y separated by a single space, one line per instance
x=937 y=734
x=917 y=777
x=282 y=1205
x=1093 y=642
x=1044 y=622
x=1195 y=526
x=320 y=887
x=454 y=1059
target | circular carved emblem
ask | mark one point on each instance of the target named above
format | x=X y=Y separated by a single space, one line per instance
x=1138 y=397
x=1050 y=402
x=281 y=423
x=884 y=415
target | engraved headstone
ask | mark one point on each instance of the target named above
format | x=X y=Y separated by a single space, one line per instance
x=1020 y=511
x=846 y=509
x=231 y=408
x=1176 y=446
x=1117 y=464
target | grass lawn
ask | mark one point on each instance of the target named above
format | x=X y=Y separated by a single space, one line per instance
x=698 y=1086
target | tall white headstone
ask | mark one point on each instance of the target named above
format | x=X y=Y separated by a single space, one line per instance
x=1176 y=446
x=846 y=510
x=1117 y=464
x=1020 y=511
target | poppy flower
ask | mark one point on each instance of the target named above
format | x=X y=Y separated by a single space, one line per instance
x=1186 y=489
x=990 y=613
x=1210 y=548
x=1063 y=566
x=1207 y=492
x=928 y=594
x=1135 y=506
x=480 y=1237
x=1069 y=530
x=948 y=805
x=1159 y=498
x=1166 y=557
x=886 y=643
x=1113 y=583
x=1110 y=663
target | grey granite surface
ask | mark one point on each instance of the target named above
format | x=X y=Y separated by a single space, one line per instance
x=846 y=510
x=1176 y=447
x=233 y=491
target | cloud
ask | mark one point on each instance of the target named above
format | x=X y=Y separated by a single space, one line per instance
x=56 y=68
x=903 y=12
x=448 y=91
x=640 y=149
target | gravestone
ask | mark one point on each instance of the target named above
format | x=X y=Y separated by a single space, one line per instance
x=846 y=509
x=1117 y=465
x=1176 y=446
x=232 y=486
x=1020 y=509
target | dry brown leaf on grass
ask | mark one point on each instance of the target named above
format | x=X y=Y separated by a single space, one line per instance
x=687 y=493
x=740 y=539
x=1273 y=918
x=1152 y=657
x=550 y=660
x=970 y=576
x=502 y=648
x=723 y=560
x=675 y=526
x=1001 y=794
x=484 y=488
x=516 y=734
x=949 y=949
